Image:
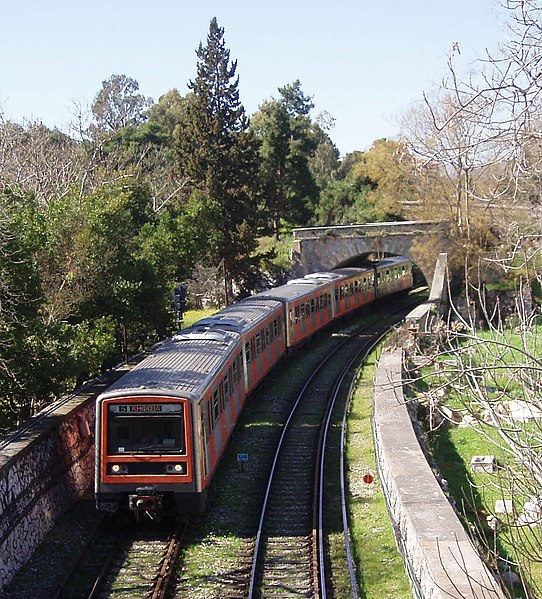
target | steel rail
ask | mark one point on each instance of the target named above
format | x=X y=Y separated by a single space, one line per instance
x=166 y=575
x=366 y=349
x=322 y=458
x=342 y=474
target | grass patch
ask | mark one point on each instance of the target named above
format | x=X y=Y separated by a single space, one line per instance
x=379 y=563
x=476 y=494
x=191 y=316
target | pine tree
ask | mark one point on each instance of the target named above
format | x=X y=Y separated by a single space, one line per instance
x=218 y=154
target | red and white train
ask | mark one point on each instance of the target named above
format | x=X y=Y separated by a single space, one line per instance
x=162 y=428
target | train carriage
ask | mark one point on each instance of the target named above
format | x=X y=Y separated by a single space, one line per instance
x=162 y=427
x=351 y=288
x=307 y=307
x=394 y=274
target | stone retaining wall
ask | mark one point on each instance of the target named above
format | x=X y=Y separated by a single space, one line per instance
x=42 y=473
x=439 y=555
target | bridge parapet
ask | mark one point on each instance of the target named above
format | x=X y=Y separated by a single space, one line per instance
x=412 y=227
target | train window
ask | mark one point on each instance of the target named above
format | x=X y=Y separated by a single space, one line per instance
x=235 y=372
x=203 y=423
x=253 y=346
x=210 y=419
x=247 y=352
x=312 y=306
x=258 y=344
x=336 y=294
x=267 y=335
x=227 y=391
x=302 y=309
x=146 y=428
x=275 y=327
x=221 y=396
x=216 y=404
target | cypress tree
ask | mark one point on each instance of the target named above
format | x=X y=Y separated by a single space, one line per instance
x=219 y=154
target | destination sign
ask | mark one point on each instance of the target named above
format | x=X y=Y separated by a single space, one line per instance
x=146 y=408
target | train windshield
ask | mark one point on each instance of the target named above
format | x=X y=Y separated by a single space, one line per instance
x=146 y=428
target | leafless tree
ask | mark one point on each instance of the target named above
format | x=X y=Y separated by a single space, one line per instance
x=480 y=133
x=35 y=158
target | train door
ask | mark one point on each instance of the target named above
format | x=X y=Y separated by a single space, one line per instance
x=205 y=433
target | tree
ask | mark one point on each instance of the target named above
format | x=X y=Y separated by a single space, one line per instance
x=272 y=127
x=25 y=367
x=288 y=141
x=376 y=185
x=45 y=161
x=460 y=166
x=117 y=104
x=218 y=155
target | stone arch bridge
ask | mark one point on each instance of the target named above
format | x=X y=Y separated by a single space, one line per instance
x=324 y=248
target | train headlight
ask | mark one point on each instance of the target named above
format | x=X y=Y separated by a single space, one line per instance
x=176 y=468
x=119 y=469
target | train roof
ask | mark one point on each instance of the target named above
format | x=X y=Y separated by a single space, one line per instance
x=341 y=273
x=180 y=366
x=293 y=290
x=392 y=261
x=242 y=316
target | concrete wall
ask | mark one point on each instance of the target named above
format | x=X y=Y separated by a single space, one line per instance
x=439 y=555
x=42 y=472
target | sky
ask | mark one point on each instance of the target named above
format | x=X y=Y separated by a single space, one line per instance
x=363 y=62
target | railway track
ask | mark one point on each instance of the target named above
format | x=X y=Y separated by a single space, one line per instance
x=282 y=557
x=136 y=562
x=289 y=555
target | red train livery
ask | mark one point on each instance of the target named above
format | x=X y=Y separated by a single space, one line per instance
x=162 y=428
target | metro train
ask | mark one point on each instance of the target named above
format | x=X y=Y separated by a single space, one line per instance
x=162 y=428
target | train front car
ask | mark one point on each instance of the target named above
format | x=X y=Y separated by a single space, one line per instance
x=159 y=432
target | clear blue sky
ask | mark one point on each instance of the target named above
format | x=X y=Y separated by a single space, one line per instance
x=363 y=61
